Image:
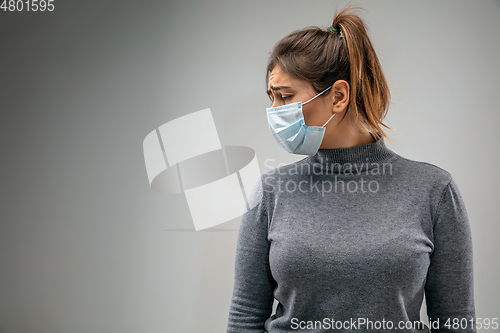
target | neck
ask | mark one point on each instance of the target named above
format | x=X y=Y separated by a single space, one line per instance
x=345 y=132
x=361 y=157
x=347 y=141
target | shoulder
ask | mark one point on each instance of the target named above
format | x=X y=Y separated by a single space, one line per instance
x=419 y=171
x=262 y=190
x=285 y=173
x=424 y=178
x=429 y=183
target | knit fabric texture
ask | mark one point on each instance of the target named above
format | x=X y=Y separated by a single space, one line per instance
x=351 y=236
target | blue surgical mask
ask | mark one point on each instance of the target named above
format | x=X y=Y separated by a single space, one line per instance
x=289 y=129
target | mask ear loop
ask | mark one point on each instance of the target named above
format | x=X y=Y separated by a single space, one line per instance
x=316 y=96
x=329 y=120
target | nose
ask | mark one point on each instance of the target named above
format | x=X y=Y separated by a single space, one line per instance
x=275 y=104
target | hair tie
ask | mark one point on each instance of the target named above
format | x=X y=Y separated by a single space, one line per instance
x=334 y=30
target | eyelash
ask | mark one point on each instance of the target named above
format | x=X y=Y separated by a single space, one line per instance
x=284 y=98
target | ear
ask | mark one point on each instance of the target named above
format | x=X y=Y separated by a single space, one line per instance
x=340 y=99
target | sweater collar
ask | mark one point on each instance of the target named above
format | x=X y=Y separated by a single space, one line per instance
x=362 y=157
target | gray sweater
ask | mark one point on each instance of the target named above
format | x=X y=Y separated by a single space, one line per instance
x=349 y=240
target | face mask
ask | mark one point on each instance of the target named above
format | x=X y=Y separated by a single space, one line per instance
x=289 y=129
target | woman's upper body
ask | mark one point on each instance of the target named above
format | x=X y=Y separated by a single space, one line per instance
x=354 y=234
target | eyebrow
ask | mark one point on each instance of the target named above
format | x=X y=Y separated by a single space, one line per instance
x=277 y=88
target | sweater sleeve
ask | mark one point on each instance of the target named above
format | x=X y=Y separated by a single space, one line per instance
x=449 y=286
x=252 y=300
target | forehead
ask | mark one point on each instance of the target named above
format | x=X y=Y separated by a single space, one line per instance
x=279 y=77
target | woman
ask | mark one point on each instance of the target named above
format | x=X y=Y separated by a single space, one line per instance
x=351 y=237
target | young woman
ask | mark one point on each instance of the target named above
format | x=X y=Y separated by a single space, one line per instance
x=351 y=237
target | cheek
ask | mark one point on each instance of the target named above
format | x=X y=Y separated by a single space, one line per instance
x=307 y=117
x=311 y=116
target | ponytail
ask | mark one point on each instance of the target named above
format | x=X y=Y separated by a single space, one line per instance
x=370 y=96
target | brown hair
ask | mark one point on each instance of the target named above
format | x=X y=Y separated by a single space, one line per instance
x=321 y=57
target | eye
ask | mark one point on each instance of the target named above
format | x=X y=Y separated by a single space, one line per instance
x=285 y=98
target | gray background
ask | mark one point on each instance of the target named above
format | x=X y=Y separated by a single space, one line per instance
x=84 y=245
